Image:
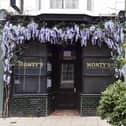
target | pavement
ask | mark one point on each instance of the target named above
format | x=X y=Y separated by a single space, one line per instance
x=55 y=119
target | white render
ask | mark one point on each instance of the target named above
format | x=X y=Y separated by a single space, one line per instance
x=99 y=7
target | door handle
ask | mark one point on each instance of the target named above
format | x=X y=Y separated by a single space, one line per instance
x=74 y=90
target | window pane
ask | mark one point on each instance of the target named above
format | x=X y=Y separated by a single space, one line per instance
x=31 y=66
x=29 y=75
x=26 y=84
x=73 y=4
x=18 y=82
x=89 y=5
x=38 y=66
x=18 y=70
x=31 y=84
x=56 y=4
x=67 y=72
x=67 y=76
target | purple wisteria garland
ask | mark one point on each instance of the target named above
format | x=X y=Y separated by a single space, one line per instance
x=15 y=35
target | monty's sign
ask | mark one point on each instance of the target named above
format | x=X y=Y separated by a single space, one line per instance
x=30 y=64
x=101 y=65
x=98 y=67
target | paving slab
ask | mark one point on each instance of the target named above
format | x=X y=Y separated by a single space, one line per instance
x=58 y=118
x=53 y=121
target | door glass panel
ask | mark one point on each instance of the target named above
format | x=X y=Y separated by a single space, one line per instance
x=67 y=76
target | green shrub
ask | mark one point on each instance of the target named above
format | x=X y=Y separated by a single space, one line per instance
x=112 y=105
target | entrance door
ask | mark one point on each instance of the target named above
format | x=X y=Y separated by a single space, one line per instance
x=67 y=91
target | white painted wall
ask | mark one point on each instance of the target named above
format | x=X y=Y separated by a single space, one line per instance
x=30 y=6
x=104 y=6
x=4 y=4
x=45 y=8
x=100 y=7
x=120 y=4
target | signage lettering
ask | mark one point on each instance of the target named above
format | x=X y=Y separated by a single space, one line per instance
x=102 y=65
x=29 y=64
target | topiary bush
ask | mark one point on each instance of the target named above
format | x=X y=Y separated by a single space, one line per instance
x=112 y=105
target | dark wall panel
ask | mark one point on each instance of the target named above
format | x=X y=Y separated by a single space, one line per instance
x=93 y=51
x=96 y=84
x=35 y=48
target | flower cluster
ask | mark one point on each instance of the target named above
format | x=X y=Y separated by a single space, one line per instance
x=14 y=35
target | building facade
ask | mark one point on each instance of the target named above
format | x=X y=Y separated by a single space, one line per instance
x=60 y=64
x=91 y=7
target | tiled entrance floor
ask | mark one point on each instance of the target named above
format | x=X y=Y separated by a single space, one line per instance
x=58 y=118
x=65 y=113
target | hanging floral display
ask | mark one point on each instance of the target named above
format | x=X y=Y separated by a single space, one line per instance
x=15 y=35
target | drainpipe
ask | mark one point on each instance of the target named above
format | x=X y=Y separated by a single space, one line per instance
x=3 y=14
x=125 y=8
x=22 y=6
x=14 y=6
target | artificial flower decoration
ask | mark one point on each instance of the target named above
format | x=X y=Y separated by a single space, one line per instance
x=16 y=35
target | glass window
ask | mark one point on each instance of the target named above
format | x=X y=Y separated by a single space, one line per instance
x=71 y=4
x=29 y=75
x=89 y=5
x=62 y=4
x=56 y=4
x=67 y=76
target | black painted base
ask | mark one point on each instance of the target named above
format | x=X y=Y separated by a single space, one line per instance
x=43 y=105
x=88 y=104
x=31 y=106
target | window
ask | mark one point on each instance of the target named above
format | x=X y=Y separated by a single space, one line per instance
x=39 y=4
x=67 y=75
x=62 y=4
x=29 y=75
x=67 y=72
x=89 y=5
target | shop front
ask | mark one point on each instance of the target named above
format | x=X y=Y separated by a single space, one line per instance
x=63 y=74
x=48 y=78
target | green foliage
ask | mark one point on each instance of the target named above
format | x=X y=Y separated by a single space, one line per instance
x=119 y=61
x=112 y=106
